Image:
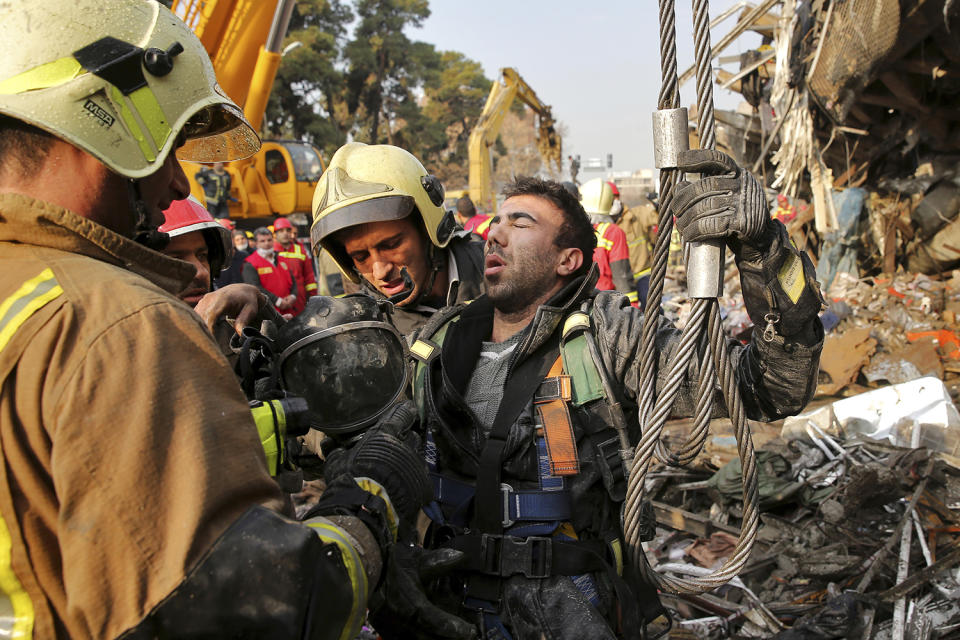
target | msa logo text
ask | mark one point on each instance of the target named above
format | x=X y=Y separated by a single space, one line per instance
x=99 y=113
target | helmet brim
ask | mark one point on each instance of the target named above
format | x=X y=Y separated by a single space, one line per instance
x=377 y=209
x=218 y=133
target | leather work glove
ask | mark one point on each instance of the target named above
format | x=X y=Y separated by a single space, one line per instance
x=778 y=281
x=401 y=608
x=726 y=203
x=388 y=452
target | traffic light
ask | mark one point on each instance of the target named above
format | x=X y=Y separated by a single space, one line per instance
x=609 y=161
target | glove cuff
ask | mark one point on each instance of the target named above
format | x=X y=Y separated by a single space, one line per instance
x=780 y=289
x=345 y=497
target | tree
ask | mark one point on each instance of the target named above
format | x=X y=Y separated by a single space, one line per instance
x=384 y=66
x=307 y=101
x=455 y=91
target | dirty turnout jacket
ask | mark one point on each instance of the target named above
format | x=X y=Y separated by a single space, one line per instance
x=775 y=378
x=134 y=494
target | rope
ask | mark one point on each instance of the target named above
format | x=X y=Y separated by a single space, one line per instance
x=702 y=335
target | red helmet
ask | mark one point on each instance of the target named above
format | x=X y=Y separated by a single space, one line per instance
x=187 y=216
x=282 y=223
x=613 y=187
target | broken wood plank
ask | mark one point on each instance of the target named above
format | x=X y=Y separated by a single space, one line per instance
x=680 y=520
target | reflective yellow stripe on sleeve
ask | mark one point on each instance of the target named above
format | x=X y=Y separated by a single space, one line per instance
x=602 y=242
x=32 y=295
x=331 y=534
x=16 y=608
x=483 y=226
x=311 y=286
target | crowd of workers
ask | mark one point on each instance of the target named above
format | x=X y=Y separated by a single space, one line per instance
x=479 y=377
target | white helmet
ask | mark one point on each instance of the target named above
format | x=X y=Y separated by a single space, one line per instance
x=120 y=79
x=596 y=196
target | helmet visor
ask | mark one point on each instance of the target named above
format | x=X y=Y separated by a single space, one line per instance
x=218 y=133
x=349 y=374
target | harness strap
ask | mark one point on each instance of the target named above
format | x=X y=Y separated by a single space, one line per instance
x=516 y=396
x=551 y=403
x=532 y=556
x=517 y=506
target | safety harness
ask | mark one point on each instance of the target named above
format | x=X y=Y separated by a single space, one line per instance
x=504 y=531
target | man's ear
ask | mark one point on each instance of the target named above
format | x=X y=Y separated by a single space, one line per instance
x=571 y=259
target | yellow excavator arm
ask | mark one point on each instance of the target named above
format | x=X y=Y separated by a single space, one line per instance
x=508 y=88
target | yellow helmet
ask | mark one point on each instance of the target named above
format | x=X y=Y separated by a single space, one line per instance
x=120 y=79
x=375 y=183
x=596 y=196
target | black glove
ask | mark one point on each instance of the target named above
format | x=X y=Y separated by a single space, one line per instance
x=401 y=609
x=388 y=453
x=728 y=204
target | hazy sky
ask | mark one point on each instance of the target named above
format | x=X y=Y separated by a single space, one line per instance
x=597 y=64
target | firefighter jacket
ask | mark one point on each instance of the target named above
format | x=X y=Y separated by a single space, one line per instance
x=544 y=545
x=216 y=186
x=300 y=266
x=272 y=278
x=611 y=256
x=637 y=222
x=134 y=494
x=465 y=268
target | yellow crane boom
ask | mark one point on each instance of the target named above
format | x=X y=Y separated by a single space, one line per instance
x=243 y=39
x=509 y=87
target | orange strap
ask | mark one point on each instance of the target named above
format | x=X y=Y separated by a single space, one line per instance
x=557 y=428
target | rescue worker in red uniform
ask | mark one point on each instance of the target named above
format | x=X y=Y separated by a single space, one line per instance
x=291 y=253
x=611 y=255
x=265 y=271
x=136 y=499
x=479 y=224
x=469 y=219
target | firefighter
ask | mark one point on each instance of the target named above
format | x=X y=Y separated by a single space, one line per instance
x=611 y=254
x=380 y=215
x=522 y=439
x=135 y=498
x=195 y=237
x=639 y=223
x=216 y=184
x=291 y=252
x=470 y=220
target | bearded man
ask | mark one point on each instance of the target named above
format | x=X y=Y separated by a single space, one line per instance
x=521 y=435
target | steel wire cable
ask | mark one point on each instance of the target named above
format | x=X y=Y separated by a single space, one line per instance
x=702 y=334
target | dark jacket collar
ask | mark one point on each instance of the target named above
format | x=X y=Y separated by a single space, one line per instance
x=475 y=325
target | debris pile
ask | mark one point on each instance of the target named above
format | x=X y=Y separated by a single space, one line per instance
x=860 y=502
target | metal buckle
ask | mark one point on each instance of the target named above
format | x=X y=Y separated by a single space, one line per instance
x=506 y=555
x=506 y=490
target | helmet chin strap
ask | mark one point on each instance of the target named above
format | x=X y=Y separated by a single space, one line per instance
x=143 y=233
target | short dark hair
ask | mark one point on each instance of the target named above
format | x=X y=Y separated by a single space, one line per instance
x=23 y=147
x=576 y=231
x=465 y=207
x=262 y=231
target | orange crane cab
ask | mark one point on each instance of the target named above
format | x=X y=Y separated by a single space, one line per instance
x=243 y=39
